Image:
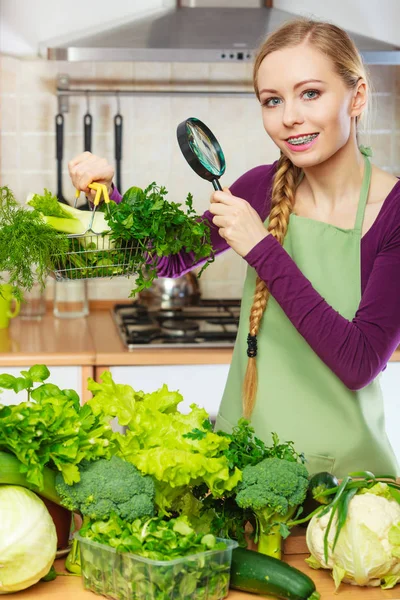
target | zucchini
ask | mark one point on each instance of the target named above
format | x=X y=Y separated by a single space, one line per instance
x=260 y=574
x=318 y=483
x=10 y=474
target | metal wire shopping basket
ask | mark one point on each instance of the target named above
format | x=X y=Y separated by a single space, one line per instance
x=92 y=255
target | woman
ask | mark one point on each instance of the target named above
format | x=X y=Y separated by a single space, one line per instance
x=320 y=231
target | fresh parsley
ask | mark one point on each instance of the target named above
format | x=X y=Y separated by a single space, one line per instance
x=163 y=226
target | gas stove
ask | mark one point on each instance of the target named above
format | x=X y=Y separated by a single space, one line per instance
x=210 y=323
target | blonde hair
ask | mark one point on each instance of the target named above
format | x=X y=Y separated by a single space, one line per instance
x=335 y=44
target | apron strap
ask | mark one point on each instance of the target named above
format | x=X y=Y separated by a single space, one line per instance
x=363 y=194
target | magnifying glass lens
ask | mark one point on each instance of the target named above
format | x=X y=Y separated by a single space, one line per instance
x=202 y=146
x=201 y=149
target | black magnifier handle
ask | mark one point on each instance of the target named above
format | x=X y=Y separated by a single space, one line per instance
x=216 y=185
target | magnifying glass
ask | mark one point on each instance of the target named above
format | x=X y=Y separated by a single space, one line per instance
x=202 y=151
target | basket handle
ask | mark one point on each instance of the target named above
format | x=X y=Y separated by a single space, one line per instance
x=101 y=189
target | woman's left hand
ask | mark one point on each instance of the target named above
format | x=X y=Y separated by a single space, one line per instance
x=239 y=224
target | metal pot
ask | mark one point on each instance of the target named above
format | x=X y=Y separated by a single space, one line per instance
x=168 y=292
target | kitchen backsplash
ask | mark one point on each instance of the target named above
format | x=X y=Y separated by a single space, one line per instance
x=28 y=105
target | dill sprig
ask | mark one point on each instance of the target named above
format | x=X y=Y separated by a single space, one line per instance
x=27 y=245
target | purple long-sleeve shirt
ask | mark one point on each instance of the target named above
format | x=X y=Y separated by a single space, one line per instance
x=357 y=350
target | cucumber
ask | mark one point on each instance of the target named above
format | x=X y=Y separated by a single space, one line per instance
x=260 y=574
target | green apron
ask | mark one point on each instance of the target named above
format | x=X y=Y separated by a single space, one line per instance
x=298 y=396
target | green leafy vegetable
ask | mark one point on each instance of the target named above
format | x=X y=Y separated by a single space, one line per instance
x=106 y=487
x=67 y=219
x=51 y=428
x=155 y=440
x=245 y=448
x=192 y=565
x=27 y=245
x=146 y=215
x=48 y=205
x=273 y=489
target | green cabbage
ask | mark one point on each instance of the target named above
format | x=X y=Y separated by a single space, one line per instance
x=28 y=539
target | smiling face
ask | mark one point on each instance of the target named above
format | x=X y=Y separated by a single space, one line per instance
x=301 y=94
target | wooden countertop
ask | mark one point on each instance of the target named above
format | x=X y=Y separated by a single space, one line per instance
x=71 y=588
x=93 y=341
x=50 y=341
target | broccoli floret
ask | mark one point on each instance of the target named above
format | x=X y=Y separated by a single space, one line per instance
x=109 y=486
x=272 y=489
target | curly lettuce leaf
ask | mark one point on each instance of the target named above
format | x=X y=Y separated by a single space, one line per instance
x=159 y=440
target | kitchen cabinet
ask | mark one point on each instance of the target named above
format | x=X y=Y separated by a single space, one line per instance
x=68 y=377
x=199 y=384
x=390 y=383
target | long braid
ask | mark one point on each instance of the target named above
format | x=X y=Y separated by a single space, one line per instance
x=286 y=180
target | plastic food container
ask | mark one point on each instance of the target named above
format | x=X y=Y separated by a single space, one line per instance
x=125 y=576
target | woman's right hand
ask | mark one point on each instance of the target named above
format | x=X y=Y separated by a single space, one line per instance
x=86 y=168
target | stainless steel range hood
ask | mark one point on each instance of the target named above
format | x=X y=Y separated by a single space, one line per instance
x=194 y=31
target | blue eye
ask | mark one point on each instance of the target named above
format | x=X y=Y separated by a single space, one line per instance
x=307 y=95
x=316 y=92
x=274 y=102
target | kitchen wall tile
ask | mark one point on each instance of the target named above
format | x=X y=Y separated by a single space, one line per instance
x=221 y=289
x=109 y=289
x=103 y=145
x=36 y=182
x=9 y=73
x=13 y=181
x=152 y=72
x=9 y=113
x=81 y=72
x=197 y=72
x=37 y=151
x=184 y=107
x=383 y=77
x=396 y=153
x=9 y=152
x=149 y=158
x=396 y=124
x=152 y=114
x=381 y=148
x=37 y=112
x=114 y=73
x=383 y=112
x=73 y=145
x=37 y=76
x=103 y=110
x=73 y=119
x=236 y=72
x=226 y=267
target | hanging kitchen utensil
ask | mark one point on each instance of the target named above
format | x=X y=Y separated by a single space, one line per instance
x=202 y=151
x=59 y=155
x=87 y=128
x=118 y=120
x=87 y=141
